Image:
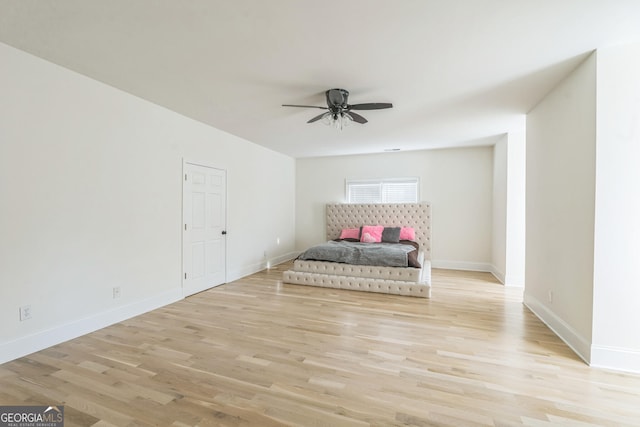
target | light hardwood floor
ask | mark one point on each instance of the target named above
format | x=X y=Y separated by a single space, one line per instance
x=256 y=352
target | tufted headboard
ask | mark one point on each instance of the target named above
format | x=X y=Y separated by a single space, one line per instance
x=416 y=215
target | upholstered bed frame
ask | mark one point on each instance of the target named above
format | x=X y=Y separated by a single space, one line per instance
x=392 y=280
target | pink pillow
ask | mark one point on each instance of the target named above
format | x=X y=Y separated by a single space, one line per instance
x=407 y=233
x=350 y=233
x=372 y=233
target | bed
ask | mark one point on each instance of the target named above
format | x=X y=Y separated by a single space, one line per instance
x=410 y=281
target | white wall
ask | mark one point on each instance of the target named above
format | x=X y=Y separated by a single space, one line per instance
x=508 y=244
x=583 y=143
x=90 y=186
x=616 y=300
x=516 y=206
x=499 y=209
x=560 y=183
x=458 y=183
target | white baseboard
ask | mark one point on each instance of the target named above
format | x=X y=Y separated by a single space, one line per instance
x=605 y=357
x=619 y=359
x=259 y=266
x=514 y=281
x=40 y=340
x=244 y=271
x=508 y=280
x=462 y=265
x=580 y=345
x=283 y=258
x=497 y=274
x=480 y=266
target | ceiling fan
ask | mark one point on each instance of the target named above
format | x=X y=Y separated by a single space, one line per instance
x=339 y=111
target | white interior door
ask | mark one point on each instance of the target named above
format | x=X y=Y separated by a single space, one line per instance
x=204 y=228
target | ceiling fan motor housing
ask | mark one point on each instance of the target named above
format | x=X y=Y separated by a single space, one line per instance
x=337 y=99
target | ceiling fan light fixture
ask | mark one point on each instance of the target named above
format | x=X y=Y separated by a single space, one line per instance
x=340 y=120
x=336 y=119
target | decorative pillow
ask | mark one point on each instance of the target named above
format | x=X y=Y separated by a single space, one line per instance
x=407 y=233
x=371 y=234
x=350 y=233
x=391 y=234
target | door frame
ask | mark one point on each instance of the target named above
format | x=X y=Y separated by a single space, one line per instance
x=185 y=162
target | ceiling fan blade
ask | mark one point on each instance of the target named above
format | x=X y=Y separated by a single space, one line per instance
x=357 y=117
x=370 y=106
x=318 y=117
x=305 y=106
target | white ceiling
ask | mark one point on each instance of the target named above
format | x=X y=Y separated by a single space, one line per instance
x=459 y=72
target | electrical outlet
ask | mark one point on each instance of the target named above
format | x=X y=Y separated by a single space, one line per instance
x=116 y=292
x=550 y=296
x=25 y=313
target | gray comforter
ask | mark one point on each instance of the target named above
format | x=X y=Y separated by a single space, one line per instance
x=380 y=254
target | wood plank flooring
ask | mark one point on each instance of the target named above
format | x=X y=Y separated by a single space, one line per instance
x=257 y=352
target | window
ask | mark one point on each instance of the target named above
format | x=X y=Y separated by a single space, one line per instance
x=393 y=190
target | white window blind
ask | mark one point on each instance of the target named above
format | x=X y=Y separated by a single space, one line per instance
x=395 y=190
